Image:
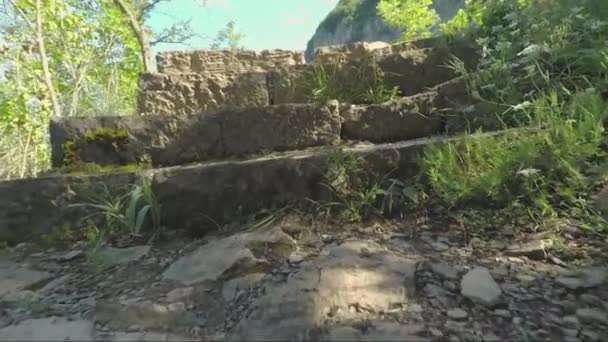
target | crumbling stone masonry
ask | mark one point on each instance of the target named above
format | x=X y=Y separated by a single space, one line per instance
x=206 y=81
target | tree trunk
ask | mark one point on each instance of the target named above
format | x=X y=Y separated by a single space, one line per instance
x=140 y=33
x=44 y=61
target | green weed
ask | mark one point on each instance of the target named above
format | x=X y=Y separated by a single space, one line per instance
x=124 y=214
x=361 y=84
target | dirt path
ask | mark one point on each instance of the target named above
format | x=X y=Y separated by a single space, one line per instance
x=297 y=282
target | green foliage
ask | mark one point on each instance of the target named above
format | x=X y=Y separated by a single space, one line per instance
x=228 y=37
x=354 y=195
x=414 y=17
x=94 y=62
x=123 y=215
x=347 y=12
x=539 y=168
x=360 y=84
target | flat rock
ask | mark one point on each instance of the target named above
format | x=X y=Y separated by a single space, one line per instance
x=71 y=255
x=144 y=314
x=592 y=315
x=479 y=286
x=343 y=334
x=14 y=278
x=231 y=287
x=457 y=314
x=179 y=294
x=394 y=331
x=586 y=278
x=122 y=256
x=231 y=257
x=49 y=329
x=443 y=270
x=146 y=337
x=534 y=249
x=340 y=279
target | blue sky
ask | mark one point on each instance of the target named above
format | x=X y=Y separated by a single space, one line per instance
x=267 y=24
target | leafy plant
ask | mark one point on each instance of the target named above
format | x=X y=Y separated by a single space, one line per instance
x=540 y=168
x=414 y=17
x=124 y=214
x=363 y=83
x=353 y=194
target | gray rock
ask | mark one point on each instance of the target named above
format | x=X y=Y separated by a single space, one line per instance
x=440 y=246
x=592 y=315
x=343 y=334
x=444 y=270
x=147 y=337
x=457 y=314
x=479 y=286
x=570 y=322
x=123 y=256
x=231 y=287
x=15 y=278
x=179 y=294
x=231 y=257
x=340 y=278
x=394 y=331
x=48 y=329
x=586 y=278
x=54 y=284
x=502 y=313
x=145 y=314
x=591 y=335
x=71 y=255
x=534 y=249
x=297 y=257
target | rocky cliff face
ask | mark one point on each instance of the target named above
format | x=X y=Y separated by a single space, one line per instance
x=357 y=20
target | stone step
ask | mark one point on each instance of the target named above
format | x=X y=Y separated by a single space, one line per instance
x=204 y=81
x=179 y=139
x=197 y=197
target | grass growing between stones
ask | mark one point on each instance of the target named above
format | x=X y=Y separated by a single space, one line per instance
x=360 y=84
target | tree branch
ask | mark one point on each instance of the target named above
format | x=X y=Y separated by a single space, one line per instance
x=139 y=32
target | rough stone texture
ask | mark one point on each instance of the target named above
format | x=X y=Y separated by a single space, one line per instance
x=479 y=286
x=145 y=314
x=221 y=61
x=33 y=207
x=279 y=128
x=358 y=274
x=231 y=256
x=533 y=249
x=288 y=84
x=193 y=197
x=126 y=255
x=14 y=278
x=177 y=140
x=49 y=329
x=206 y=81
x=401 y=119
x=187 y=94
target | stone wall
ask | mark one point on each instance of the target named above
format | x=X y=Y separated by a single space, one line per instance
x=196 y=198
x=225 y=61
x=207 y=81
x=179 y=139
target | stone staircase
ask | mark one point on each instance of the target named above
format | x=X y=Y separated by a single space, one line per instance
x=224 y=134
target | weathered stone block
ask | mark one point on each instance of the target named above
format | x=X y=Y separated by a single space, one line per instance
x=279 y=128
x=192 y=197
x=400 y=119
x=187 y=94
x=131 y=139
x=33 y=207
x=225 y=61
x=289 y=84
x=413 y=71
x=178 y=139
